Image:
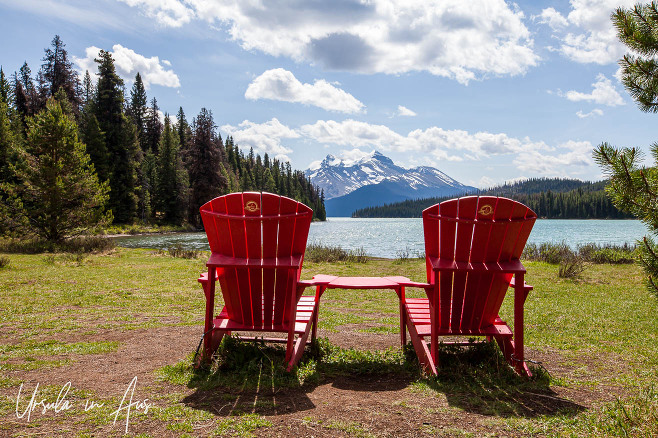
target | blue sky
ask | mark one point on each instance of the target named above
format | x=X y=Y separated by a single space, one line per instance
x=485 y=90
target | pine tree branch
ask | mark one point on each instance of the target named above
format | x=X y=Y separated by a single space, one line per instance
x=646 y=244
x=646 y=184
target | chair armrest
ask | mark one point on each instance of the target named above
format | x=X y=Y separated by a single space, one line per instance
x=526 y=287
x=404 y=281
x=220 y=260
x=203 y=278
x=317 y=280
x=320 y=280
x=510 y=267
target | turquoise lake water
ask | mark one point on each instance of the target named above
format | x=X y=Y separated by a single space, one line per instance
x=388 y=237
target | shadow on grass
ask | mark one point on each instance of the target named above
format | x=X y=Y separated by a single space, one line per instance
x=250 y=377
x=477 y=379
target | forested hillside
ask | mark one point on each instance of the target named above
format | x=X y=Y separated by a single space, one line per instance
x=159 y=169
x=550 y=198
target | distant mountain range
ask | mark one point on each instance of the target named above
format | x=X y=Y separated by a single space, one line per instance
x=550 y=198
x=376 y=180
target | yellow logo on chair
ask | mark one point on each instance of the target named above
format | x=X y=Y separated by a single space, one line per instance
x=486 y=210
x=251 y=206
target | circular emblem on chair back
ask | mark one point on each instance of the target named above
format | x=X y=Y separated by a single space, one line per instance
x=251 y=206
x=486 y=210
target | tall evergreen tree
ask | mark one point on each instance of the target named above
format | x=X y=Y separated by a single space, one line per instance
x=57 y=73
x=7 y=137
x=120 y=138
x=172 y=177
x=6 y=94
x=137 y=110
x=153 y=127
x=10 y=206
x=93 y=138
x=183 y=129
x=88 y=90
x=25 y=95
x=59 y=190
x=147 y=174
x=203 y=163
x=31 y=97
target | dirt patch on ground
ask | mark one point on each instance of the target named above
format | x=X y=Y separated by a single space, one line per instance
x=349 y=405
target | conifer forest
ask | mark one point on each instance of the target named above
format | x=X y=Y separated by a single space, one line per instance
x=75 y=153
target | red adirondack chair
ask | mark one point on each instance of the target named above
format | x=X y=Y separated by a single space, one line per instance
x=472 y=247
x=257 y=243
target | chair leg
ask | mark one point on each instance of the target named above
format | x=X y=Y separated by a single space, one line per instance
x=289 y=346
x=314 y=321
x=403 y=325
x=520 y=295
x=420 y=346
x=210 y=344
x=507 y=346
x=297 y=352
x=319 y=290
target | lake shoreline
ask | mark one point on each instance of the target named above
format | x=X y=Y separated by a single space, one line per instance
x=401 y=238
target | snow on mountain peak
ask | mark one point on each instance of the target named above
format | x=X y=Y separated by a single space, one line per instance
x=339 y=176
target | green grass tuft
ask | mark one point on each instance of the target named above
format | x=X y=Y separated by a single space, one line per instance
x=316 y=253
x=242 y=426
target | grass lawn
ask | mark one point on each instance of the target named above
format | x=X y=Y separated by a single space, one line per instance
x=100 y=321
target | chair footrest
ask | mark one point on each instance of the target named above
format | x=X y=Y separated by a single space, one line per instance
x=418 y=312
x=264 y=339
x=303 y=317
x=491 y=330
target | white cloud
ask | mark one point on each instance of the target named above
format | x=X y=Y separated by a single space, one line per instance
x=619 y=75
x=87 y=63
x=264 y=137
x=592 y=37
x=357 y=134
x=485 y=182
x=603 y=93
x=404 y=111
x=454 y=39
x=80 y=13
x=171 y=13
x=280 y=84
x=314 y=165
x=594 y=112
x=433 y=144
x=572 y=158
x=553 y=18
x=438 y=143
x=128 y=63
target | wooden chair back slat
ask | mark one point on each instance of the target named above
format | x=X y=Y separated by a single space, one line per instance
x=495 y=284
x=284 y=281
x=270 y=204
x=431 y=232
x=447 y=230
x=477 y=285
x=235 y=207
x=221 y=229
x=252 y=207
x=302 y=226
x=524 y=233
x=466 y=209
